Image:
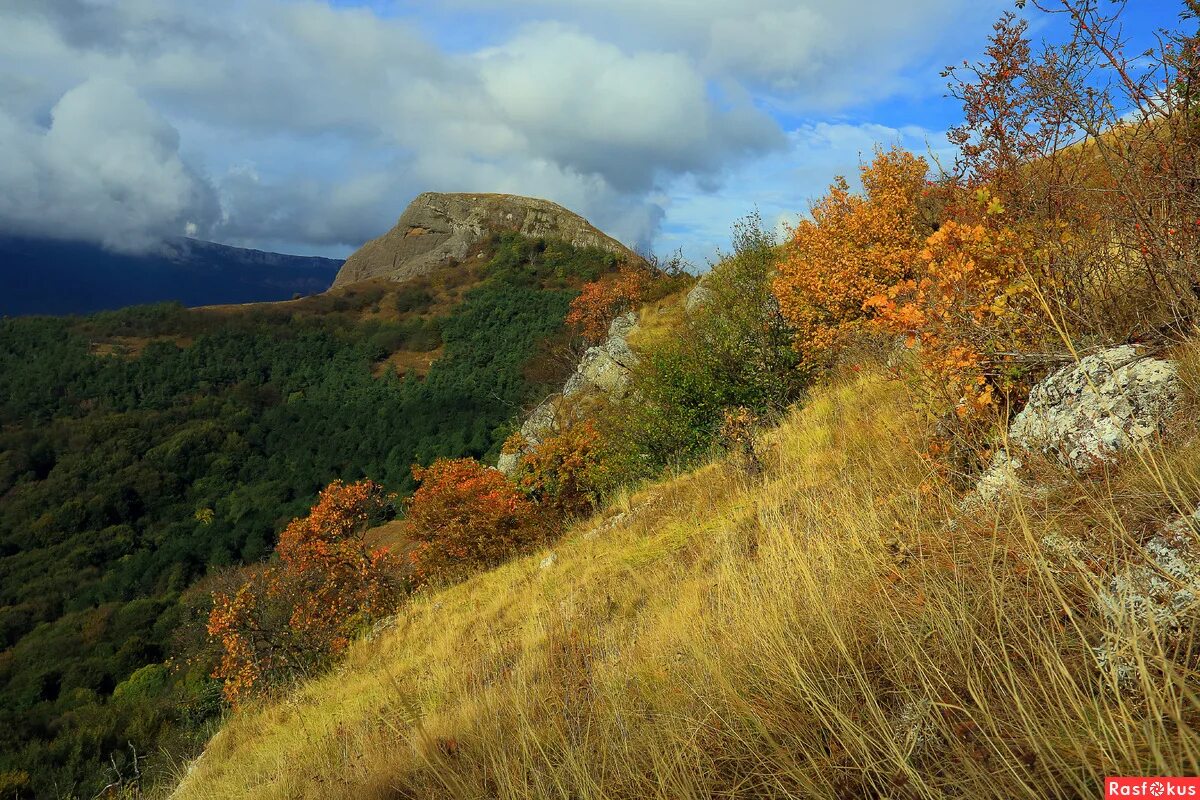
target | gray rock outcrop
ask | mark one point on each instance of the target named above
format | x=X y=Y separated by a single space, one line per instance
x=543 y=421
x=605 y=369
x=1087 y=413
x=699 y=296
x=438 y=229
x=607 y=366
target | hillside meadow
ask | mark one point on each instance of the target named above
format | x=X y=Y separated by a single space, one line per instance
x=839 y=626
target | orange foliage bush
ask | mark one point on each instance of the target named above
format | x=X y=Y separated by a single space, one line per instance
x=973 y=310
x=333 y=575
x=854 y=247
x=599 y=302
x=287 y=619
x=966 y=294
x=565 y=473
x=466 y=515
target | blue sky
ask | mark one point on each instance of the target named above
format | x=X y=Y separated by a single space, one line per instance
x=307 y=126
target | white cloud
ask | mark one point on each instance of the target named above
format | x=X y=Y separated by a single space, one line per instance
x=316 y=124
x=626 y=117
x=806 y=54
x=107 y=168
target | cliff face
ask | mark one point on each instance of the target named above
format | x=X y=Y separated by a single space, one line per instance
x=438 y=228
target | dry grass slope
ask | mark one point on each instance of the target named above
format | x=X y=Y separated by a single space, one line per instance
x=836 y=628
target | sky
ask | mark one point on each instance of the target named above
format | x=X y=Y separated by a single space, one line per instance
x=306 y=126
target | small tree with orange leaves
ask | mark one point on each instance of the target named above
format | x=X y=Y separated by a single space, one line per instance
x=333 y=575
x=288 y=618
x=854 y=247
x=464 y=516
x=974 y=312
x=600 y=302
x=566 y=474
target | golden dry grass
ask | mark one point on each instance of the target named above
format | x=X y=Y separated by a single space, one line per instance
x=840 y=627
x=659 y=320
x=406 y=362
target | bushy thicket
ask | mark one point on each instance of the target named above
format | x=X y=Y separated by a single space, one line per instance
x=734 y=350
x=286 y=620
x=465 y=517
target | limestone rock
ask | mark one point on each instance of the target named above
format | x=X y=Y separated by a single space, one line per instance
x=605 y=368
x=542 y=422
x=1158 y=593
x=438 y=229
x=1087 y=413
x=699 y=296
x=1163 y=588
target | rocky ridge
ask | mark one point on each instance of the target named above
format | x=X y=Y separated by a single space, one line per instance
x=441 y=228
x=605 y=369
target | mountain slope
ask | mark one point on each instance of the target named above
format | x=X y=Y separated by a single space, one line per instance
x=146 y=449
x=439 y=228
x=838 y=627
x=48 y=276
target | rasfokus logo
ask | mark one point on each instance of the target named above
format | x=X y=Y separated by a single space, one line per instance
x=1151 y=787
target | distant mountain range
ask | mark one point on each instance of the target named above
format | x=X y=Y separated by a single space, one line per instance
x=46 y=276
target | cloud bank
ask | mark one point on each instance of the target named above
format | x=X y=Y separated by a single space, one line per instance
x=305 y=126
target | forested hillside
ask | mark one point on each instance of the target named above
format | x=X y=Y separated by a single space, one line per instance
x=144 y=449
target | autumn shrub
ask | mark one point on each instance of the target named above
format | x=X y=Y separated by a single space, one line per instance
x=258 y=650
x=967 y=290
x=1099 y=148
x=854 y=247
x=465 y=516
x=601 y=301
x=978 y=319
x=568 y=472
x=287 y=619
x=1058 y=235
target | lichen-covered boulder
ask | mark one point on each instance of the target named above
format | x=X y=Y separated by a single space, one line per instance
x=1156 y=592
x=1087 y=413
x=1165 y=586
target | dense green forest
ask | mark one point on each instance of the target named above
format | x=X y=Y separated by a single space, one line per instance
x=145 y=449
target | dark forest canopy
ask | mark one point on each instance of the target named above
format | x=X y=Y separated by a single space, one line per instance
x=141 y=450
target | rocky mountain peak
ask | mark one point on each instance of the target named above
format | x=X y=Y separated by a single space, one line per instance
x=439 y=228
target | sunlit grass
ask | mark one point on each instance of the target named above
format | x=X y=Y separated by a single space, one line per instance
x=839 y=627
